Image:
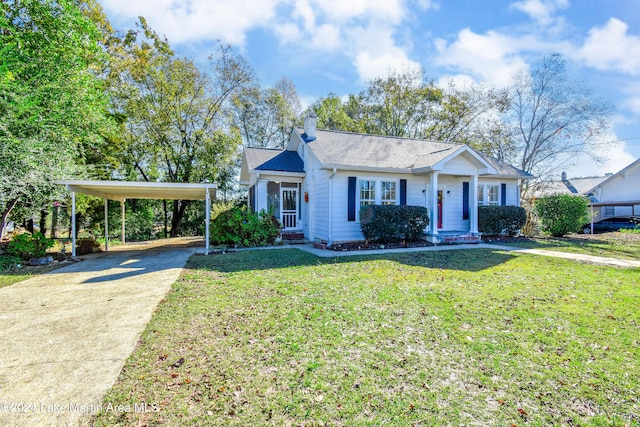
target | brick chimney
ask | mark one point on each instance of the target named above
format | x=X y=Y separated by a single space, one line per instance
x=310 y=127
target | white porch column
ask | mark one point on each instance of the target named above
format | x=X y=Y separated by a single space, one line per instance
x=261 y=200
x=106 y=225
x=433 y=190
x=122 y=217
x=207 y=216
x=73 y=223
x=473 y=204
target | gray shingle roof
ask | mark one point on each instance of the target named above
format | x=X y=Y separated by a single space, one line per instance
x=345 y=149
x=570 y=186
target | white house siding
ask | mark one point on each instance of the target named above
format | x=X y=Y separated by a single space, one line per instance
x=344 y=230
x=320 y=204
x=622 y=187
x=459 y=165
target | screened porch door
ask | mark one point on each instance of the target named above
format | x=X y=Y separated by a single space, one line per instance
x=289 y=208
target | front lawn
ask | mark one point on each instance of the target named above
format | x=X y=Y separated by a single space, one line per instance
x=475 y=337
x=614 y=245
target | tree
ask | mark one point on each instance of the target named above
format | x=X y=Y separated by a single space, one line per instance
x=176 y=126
x=52 y=103
x=400 y=104
x=407 y=104
x=331 y=114
x=266 y=116
x=554 y=118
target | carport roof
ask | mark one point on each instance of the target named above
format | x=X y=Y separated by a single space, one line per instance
x=120 y=190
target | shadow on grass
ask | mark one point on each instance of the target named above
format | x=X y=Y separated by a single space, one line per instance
x=464 y=260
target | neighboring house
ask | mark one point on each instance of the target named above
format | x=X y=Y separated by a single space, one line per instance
x=618 y=195
x=318 y=183
x=614 y=195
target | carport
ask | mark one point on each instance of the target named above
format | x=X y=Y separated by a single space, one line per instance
x=123 y=190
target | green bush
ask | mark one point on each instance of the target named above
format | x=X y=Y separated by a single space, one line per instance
x=9 y=262
x=26 y=246
x=495 y=220
x=239 y=226
x=393 y=223
x=561 y=214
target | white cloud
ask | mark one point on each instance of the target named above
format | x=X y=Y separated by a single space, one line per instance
x=611 y=48
x=197 y=19
x=459 y=80
x=346 y=10
x=376 y=53
x=492 y=57
x=618 y=157
x=540 y=10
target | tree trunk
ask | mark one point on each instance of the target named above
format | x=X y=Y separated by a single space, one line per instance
x=29 y=225
x=5 y=215
x=54 y=221
x=43 y=222
x=179 y=206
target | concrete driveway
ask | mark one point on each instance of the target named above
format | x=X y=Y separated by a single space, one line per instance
x=66 y=335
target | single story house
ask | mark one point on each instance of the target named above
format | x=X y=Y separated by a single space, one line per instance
x=613 y=195
x=318 y=183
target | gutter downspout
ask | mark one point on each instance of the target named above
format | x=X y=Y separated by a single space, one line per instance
x=330 y=242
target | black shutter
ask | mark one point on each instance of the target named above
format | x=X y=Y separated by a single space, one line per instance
x=503 y=194
x=403 y=191
x=351 y=199
x=465 y=200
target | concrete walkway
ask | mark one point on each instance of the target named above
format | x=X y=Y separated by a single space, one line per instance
x=543 y=252
x=66 y=335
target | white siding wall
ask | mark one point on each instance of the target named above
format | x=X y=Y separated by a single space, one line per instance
x=321 y=204
x=623 y=187
x=344 y=230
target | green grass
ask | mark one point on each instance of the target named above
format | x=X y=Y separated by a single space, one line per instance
x=9 y=278
x=475 y=337
x=615 y=245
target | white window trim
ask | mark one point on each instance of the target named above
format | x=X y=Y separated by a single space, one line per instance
x=378 y=195
x=485 y=193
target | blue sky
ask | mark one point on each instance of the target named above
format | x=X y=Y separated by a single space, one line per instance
x=336 y=46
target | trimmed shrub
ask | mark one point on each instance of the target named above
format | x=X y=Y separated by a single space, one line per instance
x=26 y=246
x=495 y=220
x=393 y=223
x=239 y=226
x=561 y=214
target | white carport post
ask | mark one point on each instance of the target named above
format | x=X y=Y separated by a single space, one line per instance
x=106 y=224
x=73 y=223
x=122 y=214
x=207 y=216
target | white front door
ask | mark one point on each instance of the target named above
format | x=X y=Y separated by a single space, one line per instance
x=289 y=208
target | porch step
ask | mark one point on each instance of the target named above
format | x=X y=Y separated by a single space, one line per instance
x=292 y=235
x=293 y=238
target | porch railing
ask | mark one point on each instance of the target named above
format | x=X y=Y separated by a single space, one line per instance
x=289 y=219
